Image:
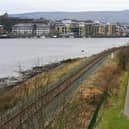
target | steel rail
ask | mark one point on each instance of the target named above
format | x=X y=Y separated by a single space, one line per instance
x=15 y=121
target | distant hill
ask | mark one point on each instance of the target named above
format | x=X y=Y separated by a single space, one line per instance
x=104 y=16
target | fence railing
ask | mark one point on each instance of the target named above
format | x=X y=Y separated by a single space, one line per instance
x=38 y=93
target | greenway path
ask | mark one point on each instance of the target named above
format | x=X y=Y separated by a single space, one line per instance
x=126 y=110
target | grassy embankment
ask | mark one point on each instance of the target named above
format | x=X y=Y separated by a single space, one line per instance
x=111 y=115
x=77 y=112
x=29 y=87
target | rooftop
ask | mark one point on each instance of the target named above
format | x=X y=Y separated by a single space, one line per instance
x=29 y=24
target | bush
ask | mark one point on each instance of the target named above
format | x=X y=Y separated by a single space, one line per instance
x=123 y=58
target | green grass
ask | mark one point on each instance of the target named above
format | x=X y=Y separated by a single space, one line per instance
x=111 y=116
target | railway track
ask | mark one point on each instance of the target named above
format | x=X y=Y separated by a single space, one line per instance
x=17 y=120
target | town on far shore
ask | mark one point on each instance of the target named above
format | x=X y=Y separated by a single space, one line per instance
x=13 y=27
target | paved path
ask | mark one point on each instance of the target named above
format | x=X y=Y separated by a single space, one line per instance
x=126 y=109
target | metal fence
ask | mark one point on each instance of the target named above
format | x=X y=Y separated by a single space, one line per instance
x=42 y=90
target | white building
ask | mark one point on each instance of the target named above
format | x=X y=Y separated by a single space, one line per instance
x=30 y=29
x=22 y=29
x=67 y=21
x=42 y=29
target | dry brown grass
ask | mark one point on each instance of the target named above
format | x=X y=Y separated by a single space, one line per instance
x=80 y=107
x=28 y=87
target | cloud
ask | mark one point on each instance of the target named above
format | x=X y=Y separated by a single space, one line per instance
x=18 y=6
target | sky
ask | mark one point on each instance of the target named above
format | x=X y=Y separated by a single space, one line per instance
x=22 y=6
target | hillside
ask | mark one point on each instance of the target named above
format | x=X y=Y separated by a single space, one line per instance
x=104 y=16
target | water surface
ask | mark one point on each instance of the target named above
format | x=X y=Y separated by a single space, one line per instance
x=19 y=54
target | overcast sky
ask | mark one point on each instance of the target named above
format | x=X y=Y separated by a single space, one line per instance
x=21 y=6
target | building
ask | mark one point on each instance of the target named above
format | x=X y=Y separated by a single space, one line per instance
x=2 y=31
x=91 y=29
x=82 y=29
x=30 y=29
x=119 y=30
x=60 y=29
x=75 y=29
x=67 y=28
x=108 y=29
x=22 y=29
x=97 y=29
x=78 y=29
x=63 y=28
x=101 y=30
x=42 y=29
x=113 y=30
x=67 y=24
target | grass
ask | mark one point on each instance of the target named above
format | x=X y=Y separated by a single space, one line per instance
x=81 y=105
x=111 y=116
x=77 y=111
x=79 y=108
x=41 y=80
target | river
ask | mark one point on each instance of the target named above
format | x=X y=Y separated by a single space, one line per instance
x=21 y=54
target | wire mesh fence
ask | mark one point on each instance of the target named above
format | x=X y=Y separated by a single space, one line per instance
x=36 y=102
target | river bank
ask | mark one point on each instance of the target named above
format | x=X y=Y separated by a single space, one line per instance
x=10 y=82
x=25 y=75
x=42 y=77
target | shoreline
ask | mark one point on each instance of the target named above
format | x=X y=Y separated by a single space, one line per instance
x=26 y=74
x=63 y=37
x=12 y=81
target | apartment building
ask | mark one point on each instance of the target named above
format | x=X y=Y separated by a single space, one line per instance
x=91 y=29
x=67 y=28
x=70 y=27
